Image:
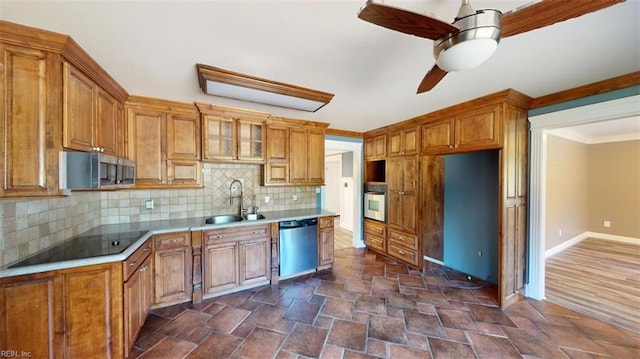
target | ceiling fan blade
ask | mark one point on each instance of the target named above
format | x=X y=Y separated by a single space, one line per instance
x=548 y=12
x=405 y=21
x=431 y=79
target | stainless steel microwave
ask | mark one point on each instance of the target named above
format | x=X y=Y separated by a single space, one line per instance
x=92 y=170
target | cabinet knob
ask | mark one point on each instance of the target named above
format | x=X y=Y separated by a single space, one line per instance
x=133 y=263
x=148 y=248
x=401 y=238
x=220 y=237
x=144 y=268
x=173 y=240
x=401 y=252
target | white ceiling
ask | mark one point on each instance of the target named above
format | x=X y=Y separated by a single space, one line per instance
x=151 y=48
x=624 y=129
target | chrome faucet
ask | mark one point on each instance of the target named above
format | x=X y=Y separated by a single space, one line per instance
x=236 y=189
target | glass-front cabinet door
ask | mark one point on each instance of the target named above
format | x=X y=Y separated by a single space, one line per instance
x=218 y=137
x=251 y=136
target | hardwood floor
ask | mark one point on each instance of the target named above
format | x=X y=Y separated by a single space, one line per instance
x=599 y=278
x=342 y=238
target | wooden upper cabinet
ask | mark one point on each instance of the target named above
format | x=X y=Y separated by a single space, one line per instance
x=375 y=147
x=29 y=121
x=232 y=134
x=146 y=145
x=295 y=153
x=404 y=141
x=474 y=130
x=307 y=156
x=276 y=168
x=90 y=114
x=163 y=138
x=437 y=136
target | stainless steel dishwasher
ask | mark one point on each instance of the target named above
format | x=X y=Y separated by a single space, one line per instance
x=298 y=247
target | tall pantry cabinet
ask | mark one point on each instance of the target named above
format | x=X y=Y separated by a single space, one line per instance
x=415 y=214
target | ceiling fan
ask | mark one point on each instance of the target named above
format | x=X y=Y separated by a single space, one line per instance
x=474 y=34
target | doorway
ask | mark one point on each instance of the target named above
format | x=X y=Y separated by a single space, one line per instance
x=350 y=191
x=540 y=126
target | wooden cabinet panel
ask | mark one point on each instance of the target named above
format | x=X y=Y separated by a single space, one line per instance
x=432 y=206
x=375 y=147
x=276 y=173
x=31 y=316
x=277 y=143
x=480 y=129
x=183 y=172
x=254 y=261
x=183 y=137
x=173 y=268
x=438 y=136
x=29 y=122
x=146 y=140
x=315 y=157
x=404 y=141
x=93 y=312
x=79 y=109
x=402 y=193
x=220 y=267
x=325 y=246
x=138 y=297
x=108 y=127
x=298 y=172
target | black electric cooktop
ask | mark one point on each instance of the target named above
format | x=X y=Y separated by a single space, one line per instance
x=84 y=246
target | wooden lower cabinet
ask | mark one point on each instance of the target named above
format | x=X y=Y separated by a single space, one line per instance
x=71 y=313
x=325 y=242
x=403 y=246
x=235 y=258
x=173 y=268
x=375 y=235
x=138 y=297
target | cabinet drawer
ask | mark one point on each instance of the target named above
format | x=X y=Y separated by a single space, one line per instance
x=403 y=254
x=402 y=239
x=236 y=233
x=172 y=240
x=325 y=222
x=375 y=228
x=131 y=264
x=374 y=242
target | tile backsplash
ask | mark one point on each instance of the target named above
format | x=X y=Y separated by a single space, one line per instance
x=29 y=226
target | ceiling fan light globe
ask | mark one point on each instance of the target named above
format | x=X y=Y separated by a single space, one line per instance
x=466 y=55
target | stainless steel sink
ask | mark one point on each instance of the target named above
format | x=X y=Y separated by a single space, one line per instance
x=230 y=218
x=253 y=217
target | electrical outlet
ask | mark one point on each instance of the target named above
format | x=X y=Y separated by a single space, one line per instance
x=480 y=253
x=294 y=197
x=267 y=199
x=606 y=224
x=559 y=232
x=148 y=204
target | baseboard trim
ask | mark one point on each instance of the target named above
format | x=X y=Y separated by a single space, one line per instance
x=613 y=237
x=579 y=238
x=564 y=245
x=433 y=260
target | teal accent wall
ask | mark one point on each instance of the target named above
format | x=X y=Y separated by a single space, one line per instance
x=589 y=100
x=471 y=213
